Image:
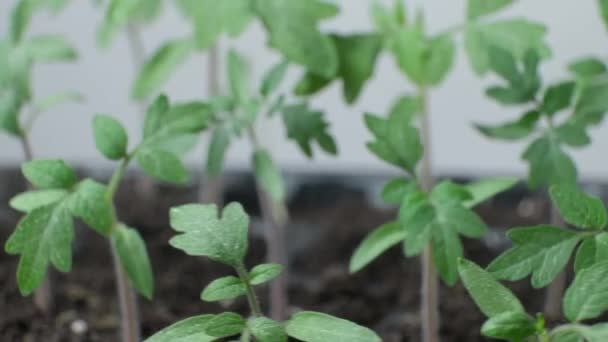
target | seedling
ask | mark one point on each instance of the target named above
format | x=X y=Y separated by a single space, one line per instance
x=18 y=109
x=44 y=234
x=543 y=252
x=202 y=232
x=293 y=30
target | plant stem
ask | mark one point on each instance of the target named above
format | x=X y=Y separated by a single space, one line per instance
x=129 y=313
x=252 y=299
x=555 y=291
x=211 y=188
x=429 y=309
x=43 y=295
x=276 y=216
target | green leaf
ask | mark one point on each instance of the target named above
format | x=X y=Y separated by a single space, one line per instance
x=42 y=236
x=478 y=8
x=578 y=208
x=573 y=133
x=557 y=97
x=417 y=216
x=268 y=175
x=20 y=19
x=459 y=219
x=548 y=163
x=491 y=297
x=157 y=70
x=292 y=28
x=593 y=98
x=593 y=250
x=218 y=146
x=406 y=107
x=603 y=4
x=58 y=99
x=511 y=326
x=447 y=250
x=587 y=297
x=30 y=200
x=153 y=120
x=188 y=330
x=162 y=165
x=211 y=18
x=587 y=67
x=517 y=36
x=131 y=250
x=110 y=137
x=264 y=273
x=273 y=78
x=90 y=203
x=309 y=326
x=377 y=242
x=205 y=234
x=267 y=330
x=238 y=75
x=164 y=124
x=448 y=192
x=503 y=63
x=49 y=48
x=394 y=191
x=225 y=324
x=542 y=251
x=487 y=188
x=10 y=108
x=223 y=288
x=442 y=52
x=305 y=126
x=49 y=174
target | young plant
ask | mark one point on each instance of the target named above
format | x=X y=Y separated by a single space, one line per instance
x=543 y=252
x=203 y=232
x=292 y=27
x=44 y=235
x=404 y=138
x=555 y=121
x=18 y=109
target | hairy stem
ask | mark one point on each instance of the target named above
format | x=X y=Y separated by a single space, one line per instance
x=43 y=295
x=211 y=188
x=429 y=309
x=276 y=216
x=129 y=311
x=555 y=291
x=252 y=299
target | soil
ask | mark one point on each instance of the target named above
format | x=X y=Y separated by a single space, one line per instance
x=328 y=220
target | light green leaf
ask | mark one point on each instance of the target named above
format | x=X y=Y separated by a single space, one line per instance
x=30 y=200
x=90 y=203
x=49 y=48
x=441 y=53
x=162 y=165
x=273 y=78
x=593 y=98
x=267 y=330
x=587 y=67
x=218 y=146
x=267 y=175
x=58 y=99
x=457 y=218
x=417 y=217
x=131 y=250
x=188 y=330
x=157 y=70
x=225 y=324
x=578 y=208
x=549 y=164
x=49 y=174
x=542 y=251
x=263 y=273
x=205 y=234
x=292 y=28
x=447 y=250
x=238 y=75
x=478 y=8
x=591 y=251
x=491 y=297
x=42 y=236
x=377 y=242
x=305 y=126
x=164 y=124
x=10 y=108
x=223 y=288
x=557 y=97
x=448 y=192
x=394 y=191
x=587 y=297
x=514 y=130
x=20 y=18
x=511 y=326
x=309 y=326
x=603 y=4
x=110 y=137
x=487 y=188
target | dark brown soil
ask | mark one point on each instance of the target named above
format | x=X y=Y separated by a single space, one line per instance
x=328 y=222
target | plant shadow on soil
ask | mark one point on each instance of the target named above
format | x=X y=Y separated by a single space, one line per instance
x=328 y=220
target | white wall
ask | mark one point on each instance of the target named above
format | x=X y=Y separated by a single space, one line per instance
x=104 y=77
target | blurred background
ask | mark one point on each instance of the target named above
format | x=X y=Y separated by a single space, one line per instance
x=104 y=77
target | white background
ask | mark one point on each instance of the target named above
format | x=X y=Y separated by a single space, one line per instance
x=105 y=76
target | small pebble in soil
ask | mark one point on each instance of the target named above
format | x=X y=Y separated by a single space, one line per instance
x=79 y=327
